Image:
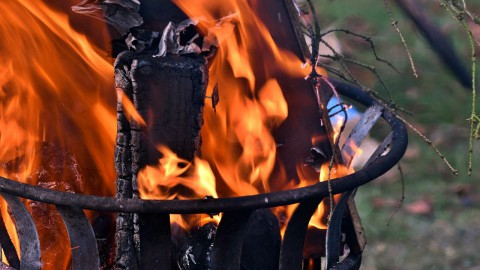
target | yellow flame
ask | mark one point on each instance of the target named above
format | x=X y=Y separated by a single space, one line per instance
x=176 y=178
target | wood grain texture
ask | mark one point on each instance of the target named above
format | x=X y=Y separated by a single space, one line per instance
x=168 y=93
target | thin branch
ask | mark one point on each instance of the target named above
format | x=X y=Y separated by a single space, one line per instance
x=430 y=143
x=372 y=69
x=366 y=39
x=386 y=103
x=473 y=130
x=458 y=12
x=315 y=77
x=395 y=25
x=402 y=199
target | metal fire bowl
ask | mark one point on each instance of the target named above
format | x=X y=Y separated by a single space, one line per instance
x=210 y=205
x=236 y=211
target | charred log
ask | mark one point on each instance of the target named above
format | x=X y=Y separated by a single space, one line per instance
x=260 y=248
x=168 y=95
x=195 y=251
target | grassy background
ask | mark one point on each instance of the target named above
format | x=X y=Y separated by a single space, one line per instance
x=438 y=225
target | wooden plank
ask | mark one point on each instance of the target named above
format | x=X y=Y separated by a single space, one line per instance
x=168 y=94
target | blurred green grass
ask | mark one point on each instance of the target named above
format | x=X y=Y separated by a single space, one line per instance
x=446 y=234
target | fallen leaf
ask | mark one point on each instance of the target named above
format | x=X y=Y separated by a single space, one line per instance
x=420 y=207
x=384 y=203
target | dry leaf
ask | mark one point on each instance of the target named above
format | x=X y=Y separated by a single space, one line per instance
x=420 y=207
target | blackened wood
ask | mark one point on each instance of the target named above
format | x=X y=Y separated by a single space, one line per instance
x=260 y=248
x=104 y=228
x=307 y=107
x=261 y=243
x=168 y=93
x=155 y=252
x=157 y=14
x=125 y=251
x=195 y=252
x=357 y=238
x=121 y=15
x=353 y=227
x=297 y=27
x=294 y=135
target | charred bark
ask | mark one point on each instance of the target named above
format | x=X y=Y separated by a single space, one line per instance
x=261 y=244
x=168 y=93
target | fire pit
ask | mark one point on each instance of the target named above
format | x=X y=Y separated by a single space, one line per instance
x=262 y=136
x=227 y=247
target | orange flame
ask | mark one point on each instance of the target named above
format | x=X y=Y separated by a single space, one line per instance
x=237 y=138
x=163 y=182
x=55 y=87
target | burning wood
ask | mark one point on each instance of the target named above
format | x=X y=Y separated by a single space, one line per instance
x=171 y=87
x=170 y=145
x=251 y=160
x=122 y=15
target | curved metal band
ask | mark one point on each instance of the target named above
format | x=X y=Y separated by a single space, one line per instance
x=27 y=234
x=320 y=190
x=82 y=238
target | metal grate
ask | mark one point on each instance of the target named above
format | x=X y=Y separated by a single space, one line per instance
x=227 y=248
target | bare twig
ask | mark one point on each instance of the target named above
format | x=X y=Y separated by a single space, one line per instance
x=402 y=199
x=430 y=143
x=344 y=73
x=314 y=31
x=458 y=12
x=342 y=59
x=395 y=25
x=366 y=39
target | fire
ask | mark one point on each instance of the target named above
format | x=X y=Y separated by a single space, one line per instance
x=319 y=220
x=56 y=99
x=175 y=178
x=237 y=138
x=173 y=175
x=56 y=87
